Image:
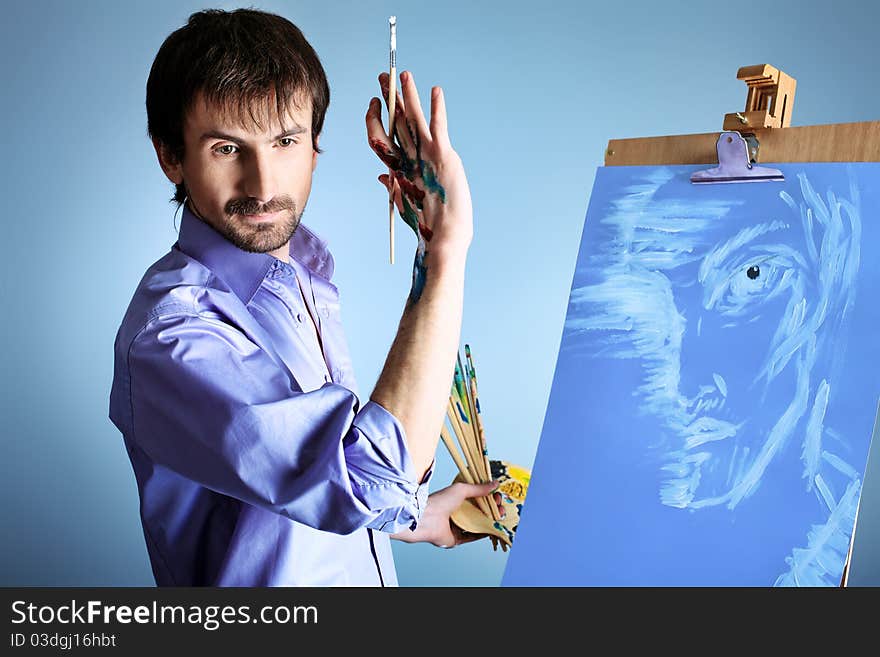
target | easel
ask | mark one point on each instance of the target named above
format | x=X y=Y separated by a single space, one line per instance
x=837 y=142
x=765 y=125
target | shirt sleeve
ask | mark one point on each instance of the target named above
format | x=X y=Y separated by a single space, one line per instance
x=209 y=404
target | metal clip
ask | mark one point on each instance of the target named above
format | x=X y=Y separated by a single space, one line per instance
x=736 y=163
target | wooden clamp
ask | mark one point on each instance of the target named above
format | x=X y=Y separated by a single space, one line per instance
x=769 y=101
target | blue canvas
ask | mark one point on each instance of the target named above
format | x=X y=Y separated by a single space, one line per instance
x=716 y=386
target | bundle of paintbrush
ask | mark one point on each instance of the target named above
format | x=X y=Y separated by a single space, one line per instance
x=464 y=421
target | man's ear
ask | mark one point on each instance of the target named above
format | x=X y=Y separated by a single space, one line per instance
x=170 y=165
x=315 y=153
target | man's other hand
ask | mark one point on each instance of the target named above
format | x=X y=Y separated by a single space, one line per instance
x=435 y=526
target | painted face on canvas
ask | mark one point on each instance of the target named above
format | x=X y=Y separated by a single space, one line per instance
x=748 y=289
x=765 y=289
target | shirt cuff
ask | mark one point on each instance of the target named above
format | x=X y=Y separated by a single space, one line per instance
x=387 y=482
x=422 y=495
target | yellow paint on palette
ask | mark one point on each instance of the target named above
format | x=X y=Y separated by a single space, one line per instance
x=513 y=486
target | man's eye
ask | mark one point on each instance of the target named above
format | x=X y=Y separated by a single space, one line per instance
x=223 y=149
x=290 y=141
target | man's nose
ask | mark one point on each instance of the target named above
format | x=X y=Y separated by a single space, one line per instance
x=260 y=178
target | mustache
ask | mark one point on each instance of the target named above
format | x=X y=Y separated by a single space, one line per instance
x=252 y=206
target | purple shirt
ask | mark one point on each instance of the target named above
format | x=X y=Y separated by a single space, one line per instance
x=255 y=462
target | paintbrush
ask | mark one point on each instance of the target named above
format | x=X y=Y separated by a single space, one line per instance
x=458 y=382
x=467 y=403
x=469 y=472
x=392 y=102
x=467 y=447
x=461 y=422
x=476 y=439
x=456 y=457
x=466 y=475
x=478 y=421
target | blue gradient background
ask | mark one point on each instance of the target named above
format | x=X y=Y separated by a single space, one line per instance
x=533 y=98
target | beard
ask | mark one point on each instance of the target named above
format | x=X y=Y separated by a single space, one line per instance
x=263 y=236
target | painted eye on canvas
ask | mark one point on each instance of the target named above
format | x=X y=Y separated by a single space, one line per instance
x=749 y=285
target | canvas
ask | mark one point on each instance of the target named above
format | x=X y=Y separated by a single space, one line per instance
x=716 y=385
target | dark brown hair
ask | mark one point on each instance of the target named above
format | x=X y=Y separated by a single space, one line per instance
x=238 y=60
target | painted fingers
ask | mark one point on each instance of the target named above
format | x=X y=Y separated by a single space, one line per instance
x=415 y=118
x=413 y=160
x=403 y=129
x=379 y=141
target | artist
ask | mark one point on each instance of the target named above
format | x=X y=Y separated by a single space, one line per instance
x=256 y=463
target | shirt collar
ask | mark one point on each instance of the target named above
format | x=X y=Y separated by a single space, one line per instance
x=243 y=271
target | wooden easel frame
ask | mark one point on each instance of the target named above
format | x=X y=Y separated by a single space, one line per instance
x=834 y=142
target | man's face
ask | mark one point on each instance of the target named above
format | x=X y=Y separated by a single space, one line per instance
x=249 y=182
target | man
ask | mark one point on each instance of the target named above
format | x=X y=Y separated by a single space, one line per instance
x=255 y=461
